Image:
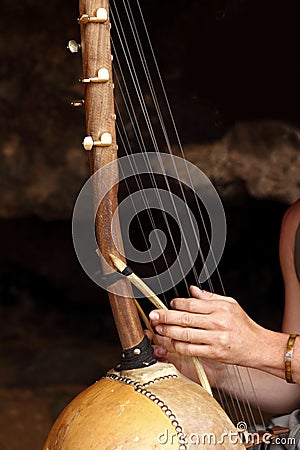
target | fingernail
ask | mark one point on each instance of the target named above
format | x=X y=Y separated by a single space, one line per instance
x=159 y=328
x=154 y=315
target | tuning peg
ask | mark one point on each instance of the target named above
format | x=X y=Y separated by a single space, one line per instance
x=77 y=103
x=101 y=17
x=105 y=141
x=102 y=77
x=73 y=46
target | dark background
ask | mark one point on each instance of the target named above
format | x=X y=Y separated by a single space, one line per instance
x=224 y=63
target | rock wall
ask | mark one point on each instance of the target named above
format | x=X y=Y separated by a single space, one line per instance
x=257 y=159
x=227 y=83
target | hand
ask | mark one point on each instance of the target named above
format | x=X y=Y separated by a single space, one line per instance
x=164 y=352
x=209 y=326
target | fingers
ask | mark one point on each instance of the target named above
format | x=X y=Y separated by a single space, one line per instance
x=191 y=305
x=189 y=349
x=186 y=334
x=201 y=305
x=199 y=326
x=194 y=314
x=195 y=305
x=198 y=305
x=199 y=293
x=180 y=318
x=205 y=295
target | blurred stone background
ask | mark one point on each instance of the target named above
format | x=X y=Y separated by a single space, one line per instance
x=231 y=69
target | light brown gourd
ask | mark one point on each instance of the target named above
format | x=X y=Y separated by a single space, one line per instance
x=152 y=408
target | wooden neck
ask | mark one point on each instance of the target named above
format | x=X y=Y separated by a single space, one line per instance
x=100 y=125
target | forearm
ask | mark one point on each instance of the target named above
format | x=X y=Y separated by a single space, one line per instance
x=270 y=393
x=270 y=354
x=264 y=382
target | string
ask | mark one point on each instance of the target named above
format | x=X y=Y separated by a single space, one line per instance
x=124 y=128
x=135 y=79
x=144 y=110
x=137 y=84
x=126 y=137
x=170 y=115
x=139 y=185
x=159 y=114
x=182 y=152
x=139 y=46
x=142 y=146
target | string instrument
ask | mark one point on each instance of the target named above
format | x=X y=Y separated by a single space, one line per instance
x=142 y=403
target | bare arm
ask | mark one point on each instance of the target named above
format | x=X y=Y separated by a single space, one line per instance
x=271 y=393
x=290 y=223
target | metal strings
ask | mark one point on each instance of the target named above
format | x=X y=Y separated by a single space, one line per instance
x=146 y=123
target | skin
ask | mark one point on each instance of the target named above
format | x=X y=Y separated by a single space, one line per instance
x=291 y=318
x=216 y=329
x=203 y=326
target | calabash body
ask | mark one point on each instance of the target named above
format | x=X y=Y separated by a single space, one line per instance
x=151 y=408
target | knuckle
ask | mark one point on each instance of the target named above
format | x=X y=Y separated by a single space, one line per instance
x=163 y=316
x=228 y=307
x=218 y=322
x=166 y=330
x=217 y=353
x=186 y=319
x=187 y=335
x=225 y=306
x=221 y=323
x=223 y=341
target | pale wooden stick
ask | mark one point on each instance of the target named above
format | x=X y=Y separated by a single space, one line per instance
x=146 y=320
x=144 y=289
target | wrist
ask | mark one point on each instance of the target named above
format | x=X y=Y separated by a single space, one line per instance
x=271 y=354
